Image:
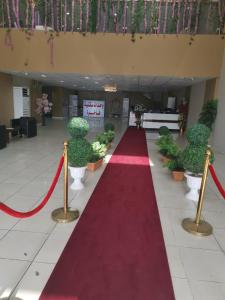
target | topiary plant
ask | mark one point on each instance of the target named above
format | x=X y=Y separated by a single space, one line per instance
x=102 y=138
x=78 y=127
x=209 y=113
x=193 y=156
x=175 y=164
x=110 y=135
x=79 y=152
x=109 y=126
x=163 y=130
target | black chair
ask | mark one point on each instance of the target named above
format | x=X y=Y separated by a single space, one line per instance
x=15 y=123
x=3 y=136
x=28 y=126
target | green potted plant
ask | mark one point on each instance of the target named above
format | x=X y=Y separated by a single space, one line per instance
x=163 y=130
x=167 y=147
x=209 y=113
x=97 y=155
x=109 y=126
x=79 y=150
x=176 y=167
x=193 y=158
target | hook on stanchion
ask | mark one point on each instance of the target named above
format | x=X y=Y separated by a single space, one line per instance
x=198 y=226
x=64 y=214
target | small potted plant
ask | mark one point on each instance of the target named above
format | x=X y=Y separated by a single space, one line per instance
x=103 y=139
x=176 y=167
x=97 y=155
x=163 y=130
x=167 y=147
x=193 y=158
x=109 y=127
x=79 y=150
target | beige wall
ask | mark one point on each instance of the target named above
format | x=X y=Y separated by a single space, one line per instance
x=196 y=102
x=160 y=55
x=6 y=99
x=219 y=132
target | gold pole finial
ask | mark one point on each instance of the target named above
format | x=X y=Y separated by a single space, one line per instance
x=63 y=214
x=198 y=226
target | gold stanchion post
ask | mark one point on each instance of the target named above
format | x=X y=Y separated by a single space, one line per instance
x=63 y=214
x=198 y=226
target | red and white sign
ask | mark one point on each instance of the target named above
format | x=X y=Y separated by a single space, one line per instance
x=93 y=108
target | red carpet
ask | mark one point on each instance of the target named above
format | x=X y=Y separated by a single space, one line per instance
x=116 y=251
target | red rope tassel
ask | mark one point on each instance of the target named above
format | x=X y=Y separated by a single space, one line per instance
x=22 y=215
x=216 y=180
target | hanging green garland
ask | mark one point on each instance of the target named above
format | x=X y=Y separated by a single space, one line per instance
x=94 y=15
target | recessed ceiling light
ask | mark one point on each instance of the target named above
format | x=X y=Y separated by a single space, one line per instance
x=61 y=81
x=43 y=75
x=74 y=85
x=68 y=13
x=96 y=82
x=86 y=77
x=26 y=73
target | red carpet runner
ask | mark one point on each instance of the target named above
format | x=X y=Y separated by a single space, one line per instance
x=117 y=251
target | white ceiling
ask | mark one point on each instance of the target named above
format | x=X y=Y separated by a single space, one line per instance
x=96 y=82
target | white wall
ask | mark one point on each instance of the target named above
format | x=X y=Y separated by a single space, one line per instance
x=196 y=102
x=219 y=132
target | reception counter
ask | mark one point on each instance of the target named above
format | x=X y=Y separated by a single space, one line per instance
x=156 y=120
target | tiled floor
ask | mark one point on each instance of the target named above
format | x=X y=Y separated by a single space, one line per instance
x=29 y=249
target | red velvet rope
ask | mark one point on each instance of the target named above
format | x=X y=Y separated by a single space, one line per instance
x=22 y=215
x=216 y=180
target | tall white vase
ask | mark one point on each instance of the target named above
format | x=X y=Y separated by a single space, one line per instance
x=194 y=184
x=77 y=174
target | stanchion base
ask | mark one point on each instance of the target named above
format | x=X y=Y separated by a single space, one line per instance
x=203 y=229
x=58 y=215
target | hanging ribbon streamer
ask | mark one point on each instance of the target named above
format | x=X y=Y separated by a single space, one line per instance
x=208 y=16
x=81 y=15
x=197 y=16
x=117 y=17
x=8 y=14
x=57 y=15
x=178 y=16
x=52 y=15
x=145 y=16
x=51 y=45
x=27 y=13
x=87 y=14
x=105 y=13
x=166 y=16
x=15 y=7
x=173 y=9
x=125 y=16
x=65 y=16
x=98 y=16
x=159 y=16
x=8 y=39
x=132 y=14
x=184 y=14
x=190 y=16
x=72 y=17
x=33 y=17
x=2 y=10
x=152 y=7
x=46 y=13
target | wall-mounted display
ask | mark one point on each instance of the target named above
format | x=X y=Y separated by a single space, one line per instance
x=93 y=108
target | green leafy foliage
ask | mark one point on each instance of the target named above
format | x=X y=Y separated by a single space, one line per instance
x=167 y=146
x=163 y=130
x=79 y=152
x=175 y=164
x=110 y=135
x=109 y=126
x=193 y=155
x=198 y=134
x=209 y=113
x=98 y=152
x=78 y=127
x=102 y=138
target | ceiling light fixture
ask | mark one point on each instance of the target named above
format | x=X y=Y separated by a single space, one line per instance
x=43 y=75
x=110 y=88
x=61 y=81
x=26 y=73
x=86 y=77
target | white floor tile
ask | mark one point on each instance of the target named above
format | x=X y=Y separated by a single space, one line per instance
x=182 y=289
x=21 y=245
x=175 y=263
x=33 y=282
x=204 y=265
x=11 y=272
x=204 y=290
x=6 y=221
x=41 y=222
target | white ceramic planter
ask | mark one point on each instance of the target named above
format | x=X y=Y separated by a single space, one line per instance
x=77 y=174
x=194 y=184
